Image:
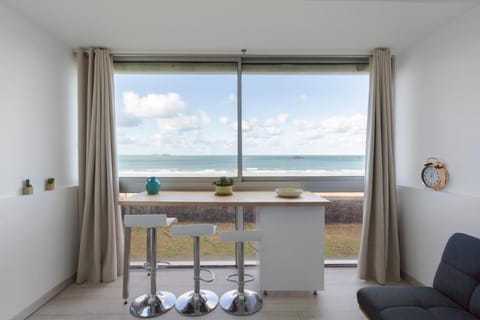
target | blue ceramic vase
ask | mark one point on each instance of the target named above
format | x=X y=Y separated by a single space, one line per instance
x=152 y=186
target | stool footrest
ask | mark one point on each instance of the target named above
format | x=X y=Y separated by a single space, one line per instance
x=212 y=275
x=234 y=278
x=160 y=264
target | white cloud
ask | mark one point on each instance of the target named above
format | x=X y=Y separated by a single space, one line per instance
x=273 y=130
x=272 y=125
x=280 y=119
x=230 y=99
x=153 y=105
x=303 y=124
x=179 y=123
x=223 y=120
x=205 y=117
x=193 y=142
x=303 y=97
x=354 y=124
x=247 y=125
x=342 y=127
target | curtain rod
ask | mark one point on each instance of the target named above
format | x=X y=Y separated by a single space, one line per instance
x=246 y=58
x=119 y=57
x=246 y=55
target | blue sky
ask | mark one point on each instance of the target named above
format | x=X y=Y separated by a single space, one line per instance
x=196 y=114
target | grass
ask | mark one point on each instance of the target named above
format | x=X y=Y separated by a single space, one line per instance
x=341 y=242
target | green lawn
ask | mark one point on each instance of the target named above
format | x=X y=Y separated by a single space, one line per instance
x=341 y=242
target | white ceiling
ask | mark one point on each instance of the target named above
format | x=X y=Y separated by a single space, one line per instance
x=226 y=26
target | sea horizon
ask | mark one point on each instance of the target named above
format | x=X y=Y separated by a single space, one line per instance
x=167 y=165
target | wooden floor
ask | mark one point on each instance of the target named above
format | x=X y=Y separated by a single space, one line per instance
x=103 y=302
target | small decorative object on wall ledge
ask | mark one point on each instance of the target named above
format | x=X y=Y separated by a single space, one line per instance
x=50 y=184
x=223 y=186
x=152 y=186
x=28 y=188
x=434 y=174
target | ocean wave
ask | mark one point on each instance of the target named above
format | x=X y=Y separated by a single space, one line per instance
x=249 y=172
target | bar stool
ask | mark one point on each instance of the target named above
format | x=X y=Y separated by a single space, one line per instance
x=154 y=303
x=196 y=302
x=241 y=302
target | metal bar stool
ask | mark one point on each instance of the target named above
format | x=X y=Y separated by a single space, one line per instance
x=241 y=302
x=154 y=303
x=196 y=302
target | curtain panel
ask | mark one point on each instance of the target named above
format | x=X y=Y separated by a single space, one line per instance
x=379 y=257
x=101 y=232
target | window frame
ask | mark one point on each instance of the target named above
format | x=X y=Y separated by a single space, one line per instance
x=312 y=183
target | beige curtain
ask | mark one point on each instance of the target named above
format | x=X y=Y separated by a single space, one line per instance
x=101 y=234
x=379 y=257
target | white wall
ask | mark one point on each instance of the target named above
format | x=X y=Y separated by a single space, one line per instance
x=38 y=233
x=38 y=117
x=438 y=115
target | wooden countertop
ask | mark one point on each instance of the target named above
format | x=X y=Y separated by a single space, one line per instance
x=208 y=198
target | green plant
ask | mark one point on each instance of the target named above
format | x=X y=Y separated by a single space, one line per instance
x=27 y=183
x=223 y=181
x=51 y=180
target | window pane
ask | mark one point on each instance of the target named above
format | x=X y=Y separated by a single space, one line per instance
x=176 y=120
x=301 y=122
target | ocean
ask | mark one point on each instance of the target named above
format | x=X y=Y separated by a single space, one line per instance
x=253 y=165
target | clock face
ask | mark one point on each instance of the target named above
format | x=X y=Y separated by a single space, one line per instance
x=430 y=177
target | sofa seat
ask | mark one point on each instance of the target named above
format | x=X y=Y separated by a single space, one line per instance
x=402 y=303
x=455 y=294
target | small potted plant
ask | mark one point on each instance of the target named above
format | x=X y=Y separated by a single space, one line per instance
x=28 y=188
x=50 y=184
x=223 y=186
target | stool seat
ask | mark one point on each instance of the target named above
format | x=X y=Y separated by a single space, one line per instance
x=193 y=230
x=148 y=220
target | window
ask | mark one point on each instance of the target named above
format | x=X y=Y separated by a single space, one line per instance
x=304 y=120
x=168 y=119
x=268 y=122
x=298 y=119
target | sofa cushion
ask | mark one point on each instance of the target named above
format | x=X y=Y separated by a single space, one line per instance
x=417 y=313
x=475 y=302
x=458 y=273
x=375 y=301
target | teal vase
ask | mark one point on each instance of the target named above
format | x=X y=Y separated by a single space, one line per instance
x=152 y=186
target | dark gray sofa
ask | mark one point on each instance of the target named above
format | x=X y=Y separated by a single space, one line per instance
x=455 y=294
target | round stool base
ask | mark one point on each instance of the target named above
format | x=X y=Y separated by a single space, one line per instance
x=149 y=306
x=241 y=304
x=194 y=304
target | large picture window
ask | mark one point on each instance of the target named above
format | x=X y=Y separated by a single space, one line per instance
x=246 y=118
x=169 y=119
x=268 y=122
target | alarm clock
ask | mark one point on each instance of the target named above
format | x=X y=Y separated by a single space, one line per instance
x=434 y=174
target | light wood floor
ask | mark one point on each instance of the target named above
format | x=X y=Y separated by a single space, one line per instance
x=103 y=302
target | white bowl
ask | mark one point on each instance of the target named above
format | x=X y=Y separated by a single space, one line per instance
x=288 y=192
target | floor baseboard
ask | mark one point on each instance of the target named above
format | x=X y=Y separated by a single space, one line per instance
x=22 y=315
